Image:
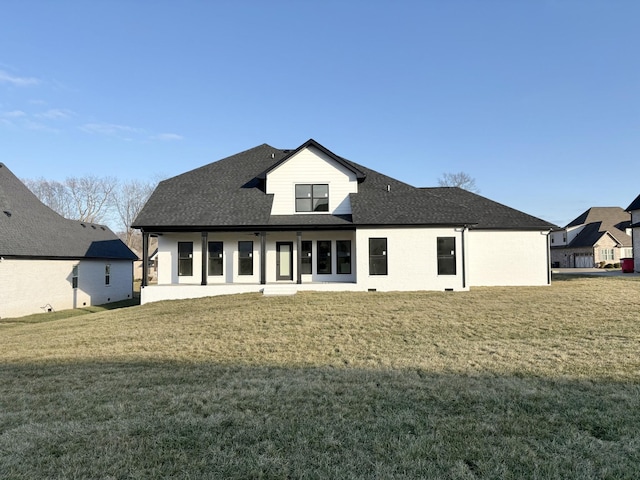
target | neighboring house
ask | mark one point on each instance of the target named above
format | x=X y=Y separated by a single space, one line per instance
x=599 y=236
x=50 y=263
x=634 y=210
x=276 y=220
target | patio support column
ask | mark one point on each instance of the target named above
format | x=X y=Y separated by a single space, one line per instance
x=263 y=258
x=145 y=259
x=299 y=257
x=205 y=239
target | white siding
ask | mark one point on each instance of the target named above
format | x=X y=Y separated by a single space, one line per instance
x=33 y=286
x=507 y=258
x=311 y=166
x=412 y=260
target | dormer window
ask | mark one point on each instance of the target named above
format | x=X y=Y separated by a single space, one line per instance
x=312 y=198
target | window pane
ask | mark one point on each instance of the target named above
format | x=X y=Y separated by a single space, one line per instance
x=321 y=205
x=324 y=257
x=245 y=266
x=215 y=258
x=378 y=266
x=321 y=191
x=343 y=248
x=303 y=191
x=305 y=257
x=303 y=205
x=377 y=246
x=245 y=260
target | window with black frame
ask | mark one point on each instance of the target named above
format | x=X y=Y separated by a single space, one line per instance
x=185 y=259
x=305 y=257
x=245 y=258
x=446 y=256
x=323 y=266
x=312 y=198
x=215 y=258
x=343 y=254
x=377 y=256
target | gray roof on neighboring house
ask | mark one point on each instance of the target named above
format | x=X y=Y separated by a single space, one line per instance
x=28 y=228
x=230 y=193
x=600 y=221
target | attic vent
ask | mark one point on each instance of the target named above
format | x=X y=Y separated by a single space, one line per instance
x=273 y=155
x=7 y=213
x=93 y=226
x=103 y=229
x=83 y=225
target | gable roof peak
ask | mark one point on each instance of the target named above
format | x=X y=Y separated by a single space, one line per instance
x=360 y=175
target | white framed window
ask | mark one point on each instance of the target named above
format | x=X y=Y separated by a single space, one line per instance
x=74 y=277
x=606 y=254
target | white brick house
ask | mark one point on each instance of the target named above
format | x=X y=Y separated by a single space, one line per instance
x=50 y=263
x=306 y=219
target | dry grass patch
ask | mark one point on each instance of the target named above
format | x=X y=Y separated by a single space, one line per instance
x=491 y=383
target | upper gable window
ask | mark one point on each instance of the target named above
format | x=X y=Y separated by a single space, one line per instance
x=312 y=198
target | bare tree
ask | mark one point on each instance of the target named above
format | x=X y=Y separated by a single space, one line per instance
x=129 y=199
x=87 y=199
x=91 y=196
x=52 y=193
x=460 y=179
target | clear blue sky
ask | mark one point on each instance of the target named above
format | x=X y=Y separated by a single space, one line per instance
x=538 y=100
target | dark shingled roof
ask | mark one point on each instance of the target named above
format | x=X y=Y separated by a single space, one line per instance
x=598 y=221
x=230 y=194
x=28 y=228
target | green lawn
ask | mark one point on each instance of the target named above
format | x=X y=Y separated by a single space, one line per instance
x=502 y=383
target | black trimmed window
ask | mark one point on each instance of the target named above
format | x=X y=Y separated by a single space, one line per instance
x=446 y=255
x=323 y=266
x=107 y=274
x=305 y=257
x=74 y=277
x=185 y=259
x=377 y=256
x=245 y=258
x=312 y=198
x=343 y=256
x=215 y=258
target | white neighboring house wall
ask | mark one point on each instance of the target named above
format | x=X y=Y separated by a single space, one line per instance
x=311 y=166
x=508 y=258
x=34 y=286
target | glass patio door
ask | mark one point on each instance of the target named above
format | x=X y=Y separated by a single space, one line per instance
x=284 y=260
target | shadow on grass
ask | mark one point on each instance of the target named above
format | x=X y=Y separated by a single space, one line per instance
x=179 y=420
x=75 y=312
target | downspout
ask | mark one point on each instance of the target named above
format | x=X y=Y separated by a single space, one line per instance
x=464 y=263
